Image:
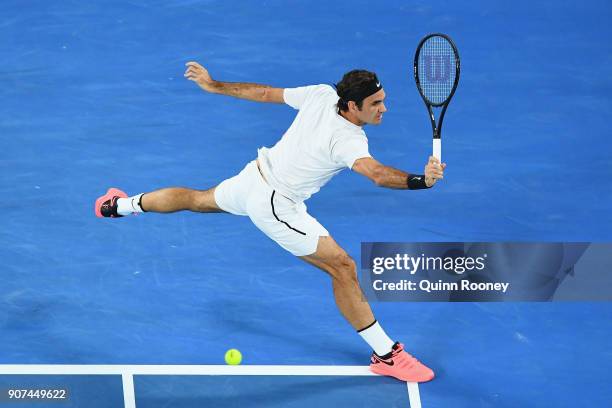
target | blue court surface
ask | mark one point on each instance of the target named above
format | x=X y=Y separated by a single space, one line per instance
x=92 y=95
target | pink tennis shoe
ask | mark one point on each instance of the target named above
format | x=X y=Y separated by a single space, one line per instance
x=106 y=206
x=401 y=365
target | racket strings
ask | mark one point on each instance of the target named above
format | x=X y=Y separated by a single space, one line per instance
x=436 y=69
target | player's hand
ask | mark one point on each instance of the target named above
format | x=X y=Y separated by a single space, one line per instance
x=198 y=74
x=434 y=171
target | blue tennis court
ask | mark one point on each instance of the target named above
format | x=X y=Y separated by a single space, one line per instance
x=93 y=96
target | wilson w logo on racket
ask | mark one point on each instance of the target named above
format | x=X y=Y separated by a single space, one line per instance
x=437 y=68
x=436 y=72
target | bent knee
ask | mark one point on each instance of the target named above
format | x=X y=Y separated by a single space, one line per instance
x=345 y=268
x=204 y=201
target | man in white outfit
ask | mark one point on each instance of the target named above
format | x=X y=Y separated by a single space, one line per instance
x=325 y=137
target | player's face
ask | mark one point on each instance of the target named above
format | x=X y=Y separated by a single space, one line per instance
x=373 y=108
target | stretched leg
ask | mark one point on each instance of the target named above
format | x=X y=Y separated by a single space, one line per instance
x=115 y=203
x=174 y=199
x=388 y=358
x=331 y=258
x=231 y=192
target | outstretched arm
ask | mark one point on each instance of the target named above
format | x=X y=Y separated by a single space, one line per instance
x=386 y=176
x=253 y=92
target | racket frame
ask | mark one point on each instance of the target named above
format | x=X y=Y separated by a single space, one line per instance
x=436 y=127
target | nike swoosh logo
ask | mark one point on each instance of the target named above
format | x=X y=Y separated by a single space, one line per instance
x=378 y=84
x=389 y=363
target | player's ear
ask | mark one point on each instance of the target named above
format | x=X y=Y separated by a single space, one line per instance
x=352 y=106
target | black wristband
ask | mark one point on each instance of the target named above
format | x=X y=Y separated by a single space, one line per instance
x=416 y=182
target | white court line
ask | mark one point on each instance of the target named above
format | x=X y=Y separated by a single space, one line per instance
x=129 y=398
x=413 y=395
x=128 y=371
x=95 y=369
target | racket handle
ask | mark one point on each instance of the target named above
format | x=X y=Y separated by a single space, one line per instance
x=437 y=149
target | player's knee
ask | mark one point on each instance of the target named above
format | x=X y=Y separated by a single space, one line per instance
x=345 y=269
x=201 y=201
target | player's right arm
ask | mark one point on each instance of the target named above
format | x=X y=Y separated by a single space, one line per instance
x=252 y=92
x=387 y=176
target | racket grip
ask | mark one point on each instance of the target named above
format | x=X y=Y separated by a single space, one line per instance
x=437 y=149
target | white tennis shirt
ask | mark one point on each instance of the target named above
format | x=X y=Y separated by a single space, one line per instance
x=318 y=145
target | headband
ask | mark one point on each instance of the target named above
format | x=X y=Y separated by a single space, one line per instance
x=366 y=89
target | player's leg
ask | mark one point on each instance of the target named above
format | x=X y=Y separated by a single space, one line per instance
x=389 y=358
x=228 y=196
x=115 y=203
x=334 y=260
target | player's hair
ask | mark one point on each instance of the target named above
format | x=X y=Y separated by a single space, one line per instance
x=353 y=83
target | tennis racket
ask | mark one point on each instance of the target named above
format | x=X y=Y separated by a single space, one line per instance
x=436 y=72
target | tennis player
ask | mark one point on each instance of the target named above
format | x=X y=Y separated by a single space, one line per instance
x=325 y=137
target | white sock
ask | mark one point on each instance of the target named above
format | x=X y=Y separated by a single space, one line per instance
x=376 y=337
x=127 y=206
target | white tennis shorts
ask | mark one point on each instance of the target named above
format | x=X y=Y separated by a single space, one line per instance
x=284 y=221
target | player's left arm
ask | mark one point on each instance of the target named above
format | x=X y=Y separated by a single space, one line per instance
x=252 y=92
x=387 y=176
